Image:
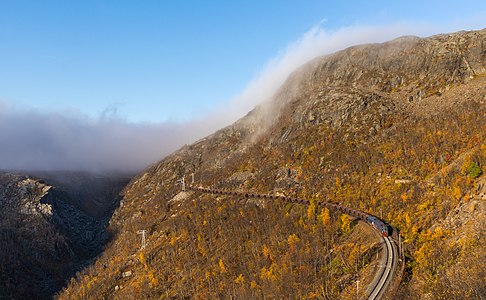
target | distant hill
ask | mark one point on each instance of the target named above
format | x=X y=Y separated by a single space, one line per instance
x=395 y=129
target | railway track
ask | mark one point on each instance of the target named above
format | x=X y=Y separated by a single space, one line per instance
x=383 y=277
x=388 y=264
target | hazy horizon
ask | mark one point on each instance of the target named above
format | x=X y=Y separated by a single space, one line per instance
x=64 y=136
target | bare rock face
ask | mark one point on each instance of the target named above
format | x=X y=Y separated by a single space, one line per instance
x=30 y=207
x=338 y=88
x=419 y=67
x=24 y=195
x=481 y=189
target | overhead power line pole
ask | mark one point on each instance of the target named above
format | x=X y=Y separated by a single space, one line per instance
x=144 y=240
x=183 y=183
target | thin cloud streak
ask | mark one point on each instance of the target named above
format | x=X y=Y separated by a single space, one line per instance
x=31 y=140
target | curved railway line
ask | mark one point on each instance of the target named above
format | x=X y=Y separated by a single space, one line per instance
x=383 y=277
x=388 y=265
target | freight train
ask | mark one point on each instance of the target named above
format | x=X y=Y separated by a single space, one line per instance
x=382 y=227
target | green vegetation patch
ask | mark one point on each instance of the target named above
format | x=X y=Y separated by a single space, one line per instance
x=474 y=170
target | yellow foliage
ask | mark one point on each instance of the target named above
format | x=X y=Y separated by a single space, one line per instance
x=338 y=182
x=404 y=197
x=423 y=206
x=373 y=201
x=293 y=240
x=153 y=279
x=269 y=274
x=325 y=217
x=408 y=221
x=142 y=259
x=91 y=282
x=301 y=222
x=457 y=192
x=222 y=267
x=311 y=209
x=345 y=223
x=240 y=279
x=200 y=245
x=439 y=232
x=266 y=251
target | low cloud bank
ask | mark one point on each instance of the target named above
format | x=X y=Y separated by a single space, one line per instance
x=31 y=140
x=55 y=141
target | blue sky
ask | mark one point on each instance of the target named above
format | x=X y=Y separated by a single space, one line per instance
x=157 y=61
x=117 y=85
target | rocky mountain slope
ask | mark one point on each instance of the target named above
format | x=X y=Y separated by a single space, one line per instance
x=395 y=129
x=44 y=237
x=96 y=194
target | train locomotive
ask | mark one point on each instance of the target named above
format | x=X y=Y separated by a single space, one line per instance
x=378 y=225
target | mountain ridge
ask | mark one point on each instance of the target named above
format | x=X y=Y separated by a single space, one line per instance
x=366 y=127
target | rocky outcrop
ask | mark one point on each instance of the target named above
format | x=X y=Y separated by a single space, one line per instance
x=44 y=238
x=419 y=67
x=34 y=251
x=411 y=68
